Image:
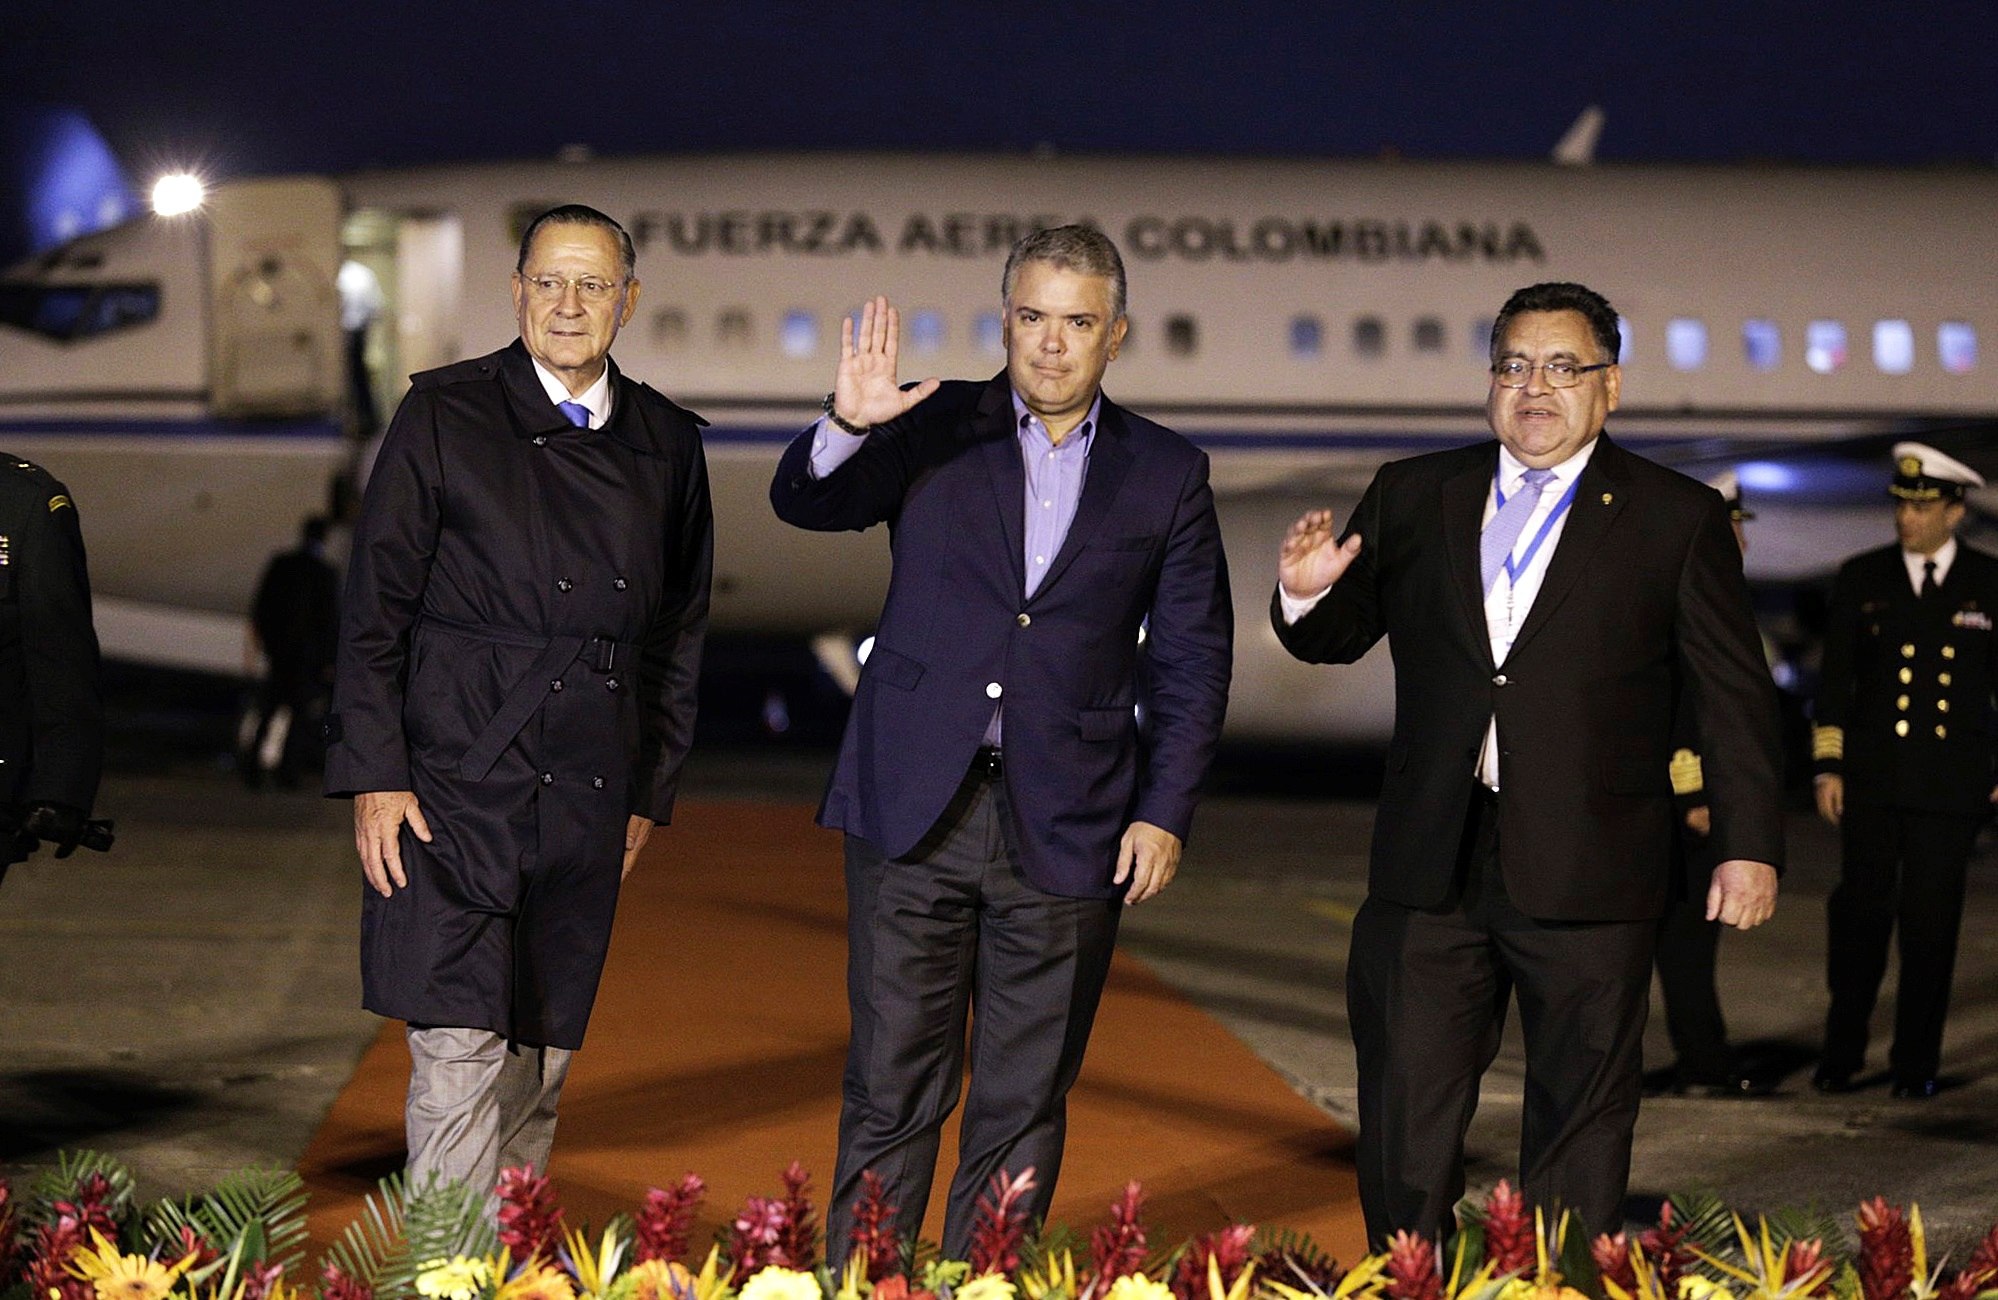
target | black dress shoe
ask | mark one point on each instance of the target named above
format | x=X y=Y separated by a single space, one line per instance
x=1832 y=1081
x=1914 y=1089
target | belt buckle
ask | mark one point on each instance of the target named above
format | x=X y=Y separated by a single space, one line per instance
x=603 y=656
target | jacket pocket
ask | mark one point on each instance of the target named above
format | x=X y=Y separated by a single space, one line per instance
x=1105 y=724
x=891 y=669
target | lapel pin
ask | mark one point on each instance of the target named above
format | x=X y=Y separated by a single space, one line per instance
x=1607 y=498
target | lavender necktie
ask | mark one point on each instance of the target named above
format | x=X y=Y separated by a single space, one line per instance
x=1505 y=527
x=579 y=415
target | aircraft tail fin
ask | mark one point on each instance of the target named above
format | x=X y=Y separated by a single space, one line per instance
x=1578 y=147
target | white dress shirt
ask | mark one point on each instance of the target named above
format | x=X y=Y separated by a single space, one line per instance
x=596 y=398
x=1944 y=557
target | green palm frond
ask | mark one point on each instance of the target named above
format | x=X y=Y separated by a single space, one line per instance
x=1039 y=1248
x=373 y=1243
x=398 y=1232
x=61 y=1182
x=1707 y=1221
x=1809 y=1222
x=262 y=1210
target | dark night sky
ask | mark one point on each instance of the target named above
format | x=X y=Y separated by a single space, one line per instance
x=250 y=88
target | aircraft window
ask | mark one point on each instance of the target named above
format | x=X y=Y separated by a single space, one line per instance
x=69 y=312
x=799 y=336
x=987 y=334
x=1762 y=344
x=733 y=330
x=1956 y=342
x=1427 y=334
x=1686 y=343
x=926 y=332
x=1307 y=336
x=1369 y=337
x=1824 y=345
x=1893 y=346
x=1182 y=336
x=669 y=328
x=1481 y=337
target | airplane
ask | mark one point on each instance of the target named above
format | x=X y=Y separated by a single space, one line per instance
x=1301 y=320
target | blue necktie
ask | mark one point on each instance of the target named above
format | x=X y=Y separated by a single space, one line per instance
x=579 y=415
x=1505 y=527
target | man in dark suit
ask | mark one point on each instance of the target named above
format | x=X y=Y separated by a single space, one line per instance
x=1004 y=784
x=295 y=617
x=521 y=634
x=51 y=714
x=1545 y=597
x=1904 y=747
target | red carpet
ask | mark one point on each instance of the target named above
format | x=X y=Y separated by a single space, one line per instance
x=718 y=1039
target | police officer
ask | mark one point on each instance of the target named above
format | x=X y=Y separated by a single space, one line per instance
x=1688 y=941
x=51 y=716
x=1903 y=747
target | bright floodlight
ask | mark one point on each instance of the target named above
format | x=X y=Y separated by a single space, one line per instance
x=177 y=194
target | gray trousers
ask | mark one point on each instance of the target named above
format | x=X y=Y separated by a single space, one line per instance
x=948 y=932
x=477 y=1106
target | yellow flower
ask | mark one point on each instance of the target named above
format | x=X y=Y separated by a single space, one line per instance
x=457 y=1278
x=1694 y=1287
x=1136 y=1286
x=773 y=1283
x=660 y=1279
x=124 y=1277
x=986 y=1286
x=539 y=1282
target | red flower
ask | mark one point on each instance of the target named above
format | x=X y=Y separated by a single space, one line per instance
x=1118 y=1248
x=1228 y=1248
x=757 y=1237
x=1886 y=1259
x=10 y=1234
x=892 y=1288
x=1665 y=1246
x=667 y=1220
x=1411 y=1268
x=801 y=1233
x=1000 y=1225
x=530 y=1222
x=1511 y=1244
x=258 y=1279
x=1612 y=1256
x=336 y=1285
x=874 y=1234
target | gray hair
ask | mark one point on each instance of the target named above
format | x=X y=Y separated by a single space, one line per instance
x=1082 y=249
x=577 y=214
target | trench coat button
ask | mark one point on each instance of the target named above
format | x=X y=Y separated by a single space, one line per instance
x=610 y=683
x=619 y=583
x=555 y=685
x=1943 y=678
x=1500 y=680
x=541 y=440
x=1025 y=620
x=993 y=690
x=1901 y=727
x=1907 y=675
x=1949 y=652
x=1942 y=732
x=596 y=783
x=1901 y=703
x=548 y=778
x=1908 y=650
x=563 y=584
x=1942 y=706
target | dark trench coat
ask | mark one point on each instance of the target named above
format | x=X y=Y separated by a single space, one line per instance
x=520 y=638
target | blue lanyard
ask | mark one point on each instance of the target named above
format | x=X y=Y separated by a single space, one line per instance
x=1513 y=570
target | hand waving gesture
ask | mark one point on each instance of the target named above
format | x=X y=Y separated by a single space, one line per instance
x=1312 y=557
x=864 y=389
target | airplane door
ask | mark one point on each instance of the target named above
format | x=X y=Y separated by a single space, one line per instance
x=273 y=253
x=430 y=276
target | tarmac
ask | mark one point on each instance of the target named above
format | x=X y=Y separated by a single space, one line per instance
x=189 y=1002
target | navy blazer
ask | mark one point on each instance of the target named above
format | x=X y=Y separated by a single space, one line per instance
x=1087 y=751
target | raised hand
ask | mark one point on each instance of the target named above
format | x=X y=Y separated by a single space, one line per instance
x=864 y=389
x=1312 y=557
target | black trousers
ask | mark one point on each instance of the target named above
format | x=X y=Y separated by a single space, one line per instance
x=1902 y=869
x=1688 y=950
x=949 y=933
x=1427 y=993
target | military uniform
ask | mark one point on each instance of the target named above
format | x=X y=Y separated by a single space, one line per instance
x=51 y=715
x=520 y=641
x=1904 y=717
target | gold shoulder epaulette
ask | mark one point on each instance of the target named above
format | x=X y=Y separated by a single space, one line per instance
x=1828 y=743
x=1687 y=776
x=60 y=501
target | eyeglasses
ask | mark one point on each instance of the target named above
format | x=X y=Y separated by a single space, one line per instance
x=549 y=288
x=1514 y=372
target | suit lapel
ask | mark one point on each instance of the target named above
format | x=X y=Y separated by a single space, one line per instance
x=533 y=413
x=1109 y=460
x=1463 y=506
x=999 y=442
x=1600 y=496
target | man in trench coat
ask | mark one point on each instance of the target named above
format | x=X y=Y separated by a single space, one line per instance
x=520 y=639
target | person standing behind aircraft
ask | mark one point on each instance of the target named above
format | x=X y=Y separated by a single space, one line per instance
x=1904 y=745
x=1544 y=596
x=999 y=797
x=521 y=633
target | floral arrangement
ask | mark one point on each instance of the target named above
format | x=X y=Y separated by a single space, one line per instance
x=78 y=1234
